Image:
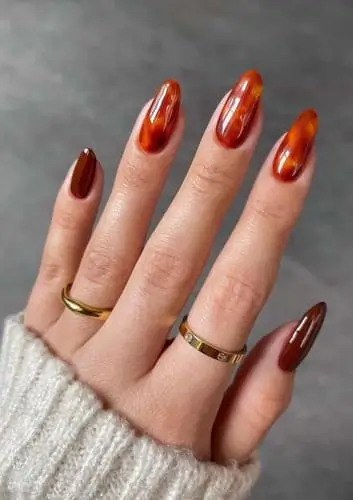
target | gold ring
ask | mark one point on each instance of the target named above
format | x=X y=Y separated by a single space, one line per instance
x=208 y=349
x=78 y=307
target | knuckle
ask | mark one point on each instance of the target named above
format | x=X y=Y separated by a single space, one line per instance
x=273 y=213
x=135 y=174
x=164 y=269
x=52 y=270
x=209 y=176
x=266 y=408
x=239 y=295
x=171 y=422
x=64 y=219
x=98 y=265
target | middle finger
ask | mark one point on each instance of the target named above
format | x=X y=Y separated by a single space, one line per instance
x=245 y=271
x=176 y=252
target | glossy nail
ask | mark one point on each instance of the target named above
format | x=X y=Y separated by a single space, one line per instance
x=83 y=175
x=295 y=148
x=303 y=338
x=239 y=110
x=161 y=118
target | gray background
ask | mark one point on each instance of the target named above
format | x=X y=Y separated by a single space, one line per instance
x=75 y=73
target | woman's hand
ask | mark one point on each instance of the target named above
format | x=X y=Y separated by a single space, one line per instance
x=170 y=390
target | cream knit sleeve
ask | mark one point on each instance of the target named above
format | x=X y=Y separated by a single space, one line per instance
x=56 y=441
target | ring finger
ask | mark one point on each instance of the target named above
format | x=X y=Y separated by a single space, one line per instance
x=245 y=271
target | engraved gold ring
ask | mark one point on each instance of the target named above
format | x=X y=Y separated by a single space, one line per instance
x=209 y=349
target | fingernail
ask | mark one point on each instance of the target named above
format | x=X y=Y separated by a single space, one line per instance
x=83 y=175
x=295 y=148
x=161 y=118
x=239 y=111
x=303 y=338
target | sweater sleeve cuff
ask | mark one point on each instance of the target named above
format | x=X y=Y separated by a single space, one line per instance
x=57 y=442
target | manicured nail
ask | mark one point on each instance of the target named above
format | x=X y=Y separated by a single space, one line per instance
x=303 y=338
x=161 y=118
x=83 y=175
x=295 y=148
x=239 y=111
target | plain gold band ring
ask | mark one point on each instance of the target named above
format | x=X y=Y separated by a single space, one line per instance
x=78 y=307
x=208 y=349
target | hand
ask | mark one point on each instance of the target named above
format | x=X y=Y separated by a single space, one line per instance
x=169 y=390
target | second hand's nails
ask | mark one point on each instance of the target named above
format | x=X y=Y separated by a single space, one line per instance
x=239 y=111
x=161 y=118
x=303 y=338
x=83 y=175
x=295 y=147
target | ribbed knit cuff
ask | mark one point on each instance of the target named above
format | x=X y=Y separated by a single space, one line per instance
x=56 y=441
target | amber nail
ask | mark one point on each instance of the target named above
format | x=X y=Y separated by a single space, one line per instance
x=239 y=110
x=295 y=147
x=161 y=118
x=83 y=174
x=302 y=339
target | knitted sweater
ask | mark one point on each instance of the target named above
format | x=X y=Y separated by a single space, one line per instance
x=56 y=441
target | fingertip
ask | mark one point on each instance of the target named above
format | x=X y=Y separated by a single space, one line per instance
x=84 y=180
x=160 y=124
x=302 y=338
x=248 y=142
x=239 y=112
x=291 y=158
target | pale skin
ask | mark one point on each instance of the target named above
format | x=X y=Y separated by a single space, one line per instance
x=175 y=394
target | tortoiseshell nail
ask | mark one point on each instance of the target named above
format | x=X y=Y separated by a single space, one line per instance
x=293 y=152
x=161 y=118
x=239 y=111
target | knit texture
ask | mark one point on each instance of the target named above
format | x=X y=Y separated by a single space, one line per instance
x=56 y=441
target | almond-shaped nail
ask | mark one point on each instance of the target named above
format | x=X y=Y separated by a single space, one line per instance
x=302 y=339
x=238 y=113
x=83 y=175
x=161 y=118
x=293 y=152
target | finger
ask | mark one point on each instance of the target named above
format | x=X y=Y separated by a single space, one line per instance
x=245 y=271
x=73 y=218
x=263 y=387
x=176 y=252
x=120 y=234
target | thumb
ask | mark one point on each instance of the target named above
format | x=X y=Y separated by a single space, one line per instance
x=263 y=387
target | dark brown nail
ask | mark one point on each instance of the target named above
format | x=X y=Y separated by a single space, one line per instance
x=303 y=338
x=83 y=175
x=161 y=118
